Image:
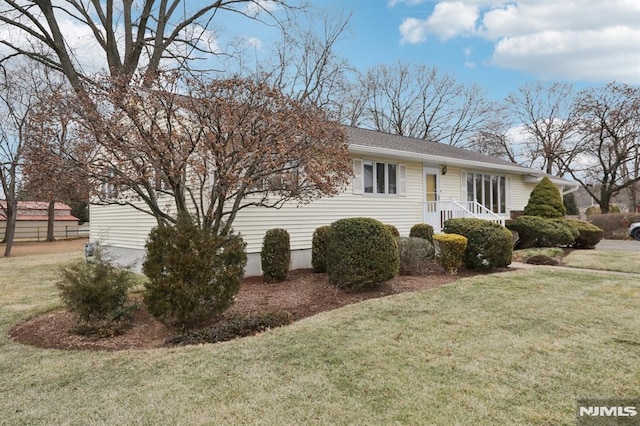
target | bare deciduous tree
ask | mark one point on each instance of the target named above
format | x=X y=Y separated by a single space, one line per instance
x=20 y=89
x=547 y=116
x=133 y=37
x=213 y=149
x=421 y=102
x=55 y=153
x=609 y=121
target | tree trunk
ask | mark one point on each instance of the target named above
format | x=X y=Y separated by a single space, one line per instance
x=10 y=230
x=51 y=212
x=605 y=199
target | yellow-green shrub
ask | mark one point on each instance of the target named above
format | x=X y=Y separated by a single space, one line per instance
x=450 y=251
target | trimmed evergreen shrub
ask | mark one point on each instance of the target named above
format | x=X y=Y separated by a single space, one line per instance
x=588 y=234
x=545 y=201
x=489 y=245
x=98 y=294
x=413 y=254
x=275 y=256
x=394 y=231
x=319 y=246
x=570 y=205
x=194 y=274
x=535 y=231
x=362 y=252
x=450 y=250
x=422 y=230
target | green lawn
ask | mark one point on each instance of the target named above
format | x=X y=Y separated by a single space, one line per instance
x=621 y=261
x=510 y=348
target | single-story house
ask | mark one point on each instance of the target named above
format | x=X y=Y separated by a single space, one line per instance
x=32 y=219
x=397 y=180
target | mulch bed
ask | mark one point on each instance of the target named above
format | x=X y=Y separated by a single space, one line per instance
x=303 y=294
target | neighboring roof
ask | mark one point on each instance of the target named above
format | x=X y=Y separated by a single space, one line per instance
x=363 y=141
x=37 y=211
x=37 y=205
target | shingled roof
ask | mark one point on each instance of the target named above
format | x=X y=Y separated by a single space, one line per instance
x=372 y=138
x=371 y=141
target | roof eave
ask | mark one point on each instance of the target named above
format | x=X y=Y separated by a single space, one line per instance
x=413 y=156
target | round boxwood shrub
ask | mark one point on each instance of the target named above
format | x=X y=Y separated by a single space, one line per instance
x=319 y=246
x=362 y=252
x=394 y=231
x=194 y=274
x=588 y=234
x=545 y=201
x=535 y=231
x=275 y=256
x=422 y=230
x=489 y=244
x=450 y=250
x=413 y=254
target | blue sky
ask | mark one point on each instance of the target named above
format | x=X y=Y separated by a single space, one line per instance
x=500 y=45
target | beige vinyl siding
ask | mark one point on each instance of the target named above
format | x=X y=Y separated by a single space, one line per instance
x=125 y=227
x=520 y=192
x=120 y=226
x=450 y=184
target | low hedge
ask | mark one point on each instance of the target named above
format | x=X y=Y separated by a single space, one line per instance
x=615 y=226
x=490 y=245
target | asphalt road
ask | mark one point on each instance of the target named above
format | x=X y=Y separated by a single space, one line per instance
x=630 y=245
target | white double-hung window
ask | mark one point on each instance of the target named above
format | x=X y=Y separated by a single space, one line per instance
x=379 y=178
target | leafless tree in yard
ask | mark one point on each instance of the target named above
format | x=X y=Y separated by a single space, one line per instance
x=548 y=119
x=55 y=153
x=20 y=90
x=609 y=121
x=213 y=148
x=424 y=103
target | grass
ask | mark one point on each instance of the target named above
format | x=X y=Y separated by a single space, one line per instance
x=510 y=348
x=621 y=261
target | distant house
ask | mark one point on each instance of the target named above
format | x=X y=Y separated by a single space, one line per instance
x=397 y=180
x=32 y=218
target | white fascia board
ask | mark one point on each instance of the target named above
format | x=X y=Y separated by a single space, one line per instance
x=436 y=159
x=558 y=181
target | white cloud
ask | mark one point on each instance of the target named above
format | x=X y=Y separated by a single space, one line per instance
x=591 y=40
x=413 y=31
x=257 y=7
x=447 y=20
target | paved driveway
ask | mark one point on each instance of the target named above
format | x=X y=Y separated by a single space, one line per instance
x=630 y=245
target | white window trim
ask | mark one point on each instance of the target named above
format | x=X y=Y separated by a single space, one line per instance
x=358 y=178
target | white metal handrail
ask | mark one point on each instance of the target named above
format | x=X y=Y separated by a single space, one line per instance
x=438 y=212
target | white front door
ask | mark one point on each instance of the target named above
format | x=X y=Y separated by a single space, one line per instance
x=431 y=198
